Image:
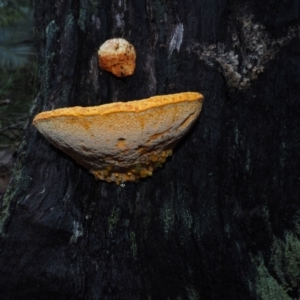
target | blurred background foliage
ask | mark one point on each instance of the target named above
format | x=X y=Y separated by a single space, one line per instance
x=17 y=78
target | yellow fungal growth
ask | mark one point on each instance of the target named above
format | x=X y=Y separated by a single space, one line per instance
x=122 y=141
x=154 y=158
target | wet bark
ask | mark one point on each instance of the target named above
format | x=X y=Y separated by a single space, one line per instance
x=221 y=219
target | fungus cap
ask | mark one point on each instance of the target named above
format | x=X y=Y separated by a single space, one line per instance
x=121 y=141
x=118 y=57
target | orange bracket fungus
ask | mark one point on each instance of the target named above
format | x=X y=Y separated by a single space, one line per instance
x=121 y=141
x=118 y=57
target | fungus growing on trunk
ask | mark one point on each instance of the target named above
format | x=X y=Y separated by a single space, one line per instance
x=121 y=141
x=118 y=57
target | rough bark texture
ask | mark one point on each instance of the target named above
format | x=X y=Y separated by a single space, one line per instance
x=221 y=219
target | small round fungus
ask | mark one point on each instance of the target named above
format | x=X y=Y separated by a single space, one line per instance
x=118 y=57
x=121 y=141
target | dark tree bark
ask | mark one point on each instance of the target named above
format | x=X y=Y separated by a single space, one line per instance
x=221 y=219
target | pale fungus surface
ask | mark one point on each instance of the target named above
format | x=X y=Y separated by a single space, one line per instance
x=121 y=141
x=118 y=57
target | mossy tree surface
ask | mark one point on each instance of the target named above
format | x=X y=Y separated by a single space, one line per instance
x=221 y=219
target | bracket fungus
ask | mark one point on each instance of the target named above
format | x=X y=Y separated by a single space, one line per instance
x=118 y=57
x=121 y=141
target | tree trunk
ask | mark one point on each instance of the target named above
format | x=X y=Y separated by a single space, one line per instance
x=221 y=219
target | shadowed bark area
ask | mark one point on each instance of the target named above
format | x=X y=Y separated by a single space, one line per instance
x=221 y=219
